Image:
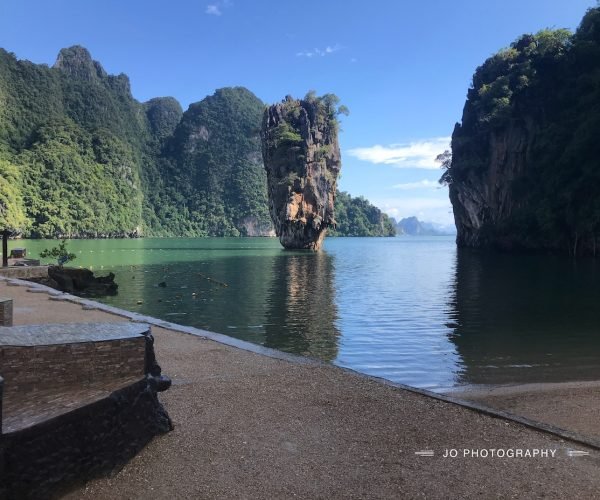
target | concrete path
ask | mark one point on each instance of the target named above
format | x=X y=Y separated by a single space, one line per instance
x=250 y=426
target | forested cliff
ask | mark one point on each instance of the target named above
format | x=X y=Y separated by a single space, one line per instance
x=80 y=157
x=525 y=168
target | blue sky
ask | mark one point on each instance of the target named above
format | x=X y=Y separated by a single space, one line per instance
x=403 y=67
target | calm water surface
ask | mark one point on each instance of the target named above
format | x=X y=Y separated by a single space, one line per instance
x=409 y=309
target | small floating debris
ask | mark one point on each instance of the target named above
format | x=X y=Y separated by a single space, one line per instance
x=176 y=314
x=140 y=302
x=163 y=284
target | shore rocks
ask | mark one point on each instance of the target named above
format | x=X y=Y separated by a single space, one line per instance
x=302 y=158
x=80 y=282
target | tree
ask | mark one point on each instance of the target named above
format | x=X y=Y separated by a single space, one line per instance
x=445 y=160
x=60 y=253
x=12 y=214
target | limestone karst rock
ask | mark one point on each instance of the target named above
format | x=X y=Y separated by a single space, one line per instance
x=302 y=158
x=524 y=172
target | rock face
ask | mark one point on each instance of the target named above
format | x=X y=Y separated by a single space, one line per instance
x=77 y=63
x=523 y=174
x=80 y=282
x=302 y=159
x=485 y=198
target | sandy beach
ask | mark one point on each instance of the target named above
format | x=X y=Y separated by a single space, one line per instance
x=252 y=426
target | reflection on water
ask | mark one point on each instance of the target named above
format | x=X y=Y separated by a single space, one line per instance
x=393 y=307
x=525 y=319
x=246 y=288
x=412 y=310
x=302 y=311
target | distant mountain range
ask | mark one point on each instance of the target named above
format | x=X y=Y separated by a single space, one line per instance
x=412 y=226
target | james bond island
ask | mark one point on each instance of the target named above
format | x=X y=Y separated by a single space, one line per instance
x=302 y=159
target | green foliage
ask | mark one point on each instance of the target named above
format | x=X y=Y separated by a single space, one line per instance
x=60 y=253
x=357 y=217
x=545 y=88
x=327 y=105
x=164 y=113
x=80 y=157
x=212 y=167
x=12 y=212
x=285 y=134
x=80 y=184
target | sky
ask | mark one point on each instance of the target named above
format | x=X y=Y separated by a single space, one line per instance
x=402 y=67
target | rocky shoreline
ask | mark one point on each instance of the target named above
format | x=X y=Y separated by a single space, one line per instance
x=81 y=282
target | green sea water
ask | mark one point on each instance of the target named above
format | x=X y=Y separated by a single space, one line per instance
x=409 y=309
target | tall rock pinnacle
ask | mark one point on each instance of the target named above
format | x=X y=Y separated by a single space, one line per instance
x=302 y=158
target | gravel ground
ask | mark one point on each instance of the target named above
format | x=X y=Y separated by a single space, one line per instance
x=250 y=426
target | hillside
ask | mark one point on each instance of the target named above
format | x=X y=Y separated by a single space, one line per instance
x=357 y=217
x=525 y=170
x=80 y=157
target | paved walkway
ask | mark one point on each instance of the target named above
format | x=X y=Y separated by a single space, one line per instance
x=250 y=426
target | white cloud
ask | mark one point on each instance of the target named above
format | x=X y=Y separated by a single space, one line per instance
x=419 y=154
x=424 y=184
x=330 y=49
x=213 y=10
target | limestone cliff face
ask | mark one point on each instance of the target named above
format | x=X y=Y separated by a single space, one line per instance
x=302 y=158
x=524 y=173
x=483 y=197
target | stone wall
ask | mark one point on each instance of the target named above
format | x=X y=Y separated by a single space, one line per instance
x=76 y=400
x=48 y=459
x=30 y=368
x=24 y=272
